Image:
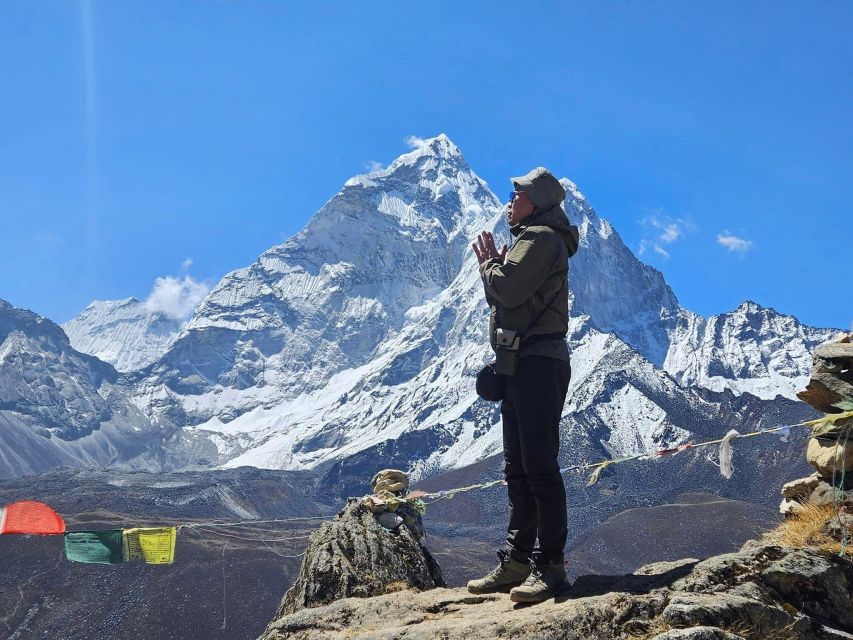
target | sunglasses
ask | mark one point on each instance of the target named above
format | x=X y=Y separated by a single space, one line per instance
x=513 y=195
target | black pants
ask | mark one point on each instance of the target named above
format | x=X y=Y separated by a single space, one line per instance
x=530 y=412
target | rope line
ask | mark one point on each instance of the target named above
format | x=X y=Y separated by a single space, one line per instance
x=600 y=465
x=239 y=523
x=273 y=540
x=210 y=526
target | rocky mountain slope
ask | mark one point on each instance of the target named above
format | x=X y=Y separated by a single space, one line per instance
x=211 y=591
x=365 y=577
x=233 y=591
x=59 y=406
x=749 y=350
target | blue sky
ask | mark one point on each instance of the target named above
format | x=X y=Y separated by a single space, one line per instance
x=716 y=137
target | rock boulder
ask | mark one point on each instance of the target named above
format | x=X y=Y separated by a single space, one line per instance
x=826 y=455
x=353 y=555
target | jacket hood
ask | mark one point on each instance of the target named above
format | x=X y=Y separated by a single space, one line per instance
x=556 y=218
x=548 y=195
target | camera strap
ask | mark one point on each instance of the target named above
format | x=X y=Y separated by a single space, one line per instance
x=541 y=313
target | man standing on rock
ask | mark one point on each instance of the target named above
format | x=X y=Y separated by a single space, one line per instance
x=527 y=292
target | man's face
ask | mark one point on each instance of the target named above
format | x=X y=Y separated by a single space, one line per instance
x=520 y=208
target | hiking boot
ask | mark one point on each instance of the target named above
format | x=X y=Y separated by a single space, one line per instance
x=509 y=573
x=545 y=581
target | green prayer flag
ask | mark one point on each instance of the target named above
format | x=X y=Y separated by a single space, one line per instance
x=100 y=547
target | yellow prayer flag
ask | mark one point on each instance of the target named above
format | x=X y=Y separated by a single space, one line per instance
x=153 y=546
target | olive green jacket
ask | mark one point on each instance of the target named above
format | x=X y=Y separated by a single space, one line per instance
x=534 y=272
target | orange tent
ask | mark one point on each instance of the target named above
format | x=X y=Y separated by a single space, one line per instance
x=31 y=517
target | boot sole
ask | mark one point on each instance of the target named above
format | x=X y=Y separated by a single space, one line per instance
x=501 y=589
x=528 y=599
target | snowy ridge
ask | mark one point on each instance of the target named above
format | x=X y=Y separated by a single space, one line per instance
x=124 y=333
x=753 y=350
x=750 y=350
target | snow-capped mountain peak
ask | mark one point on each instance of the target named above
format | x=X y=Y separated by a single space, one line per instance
x=126 y=333
x=362 y=333
x=429 y=188
x=753 y=349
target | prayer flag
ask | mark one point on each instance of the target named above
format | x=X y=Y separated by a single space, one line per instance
x=99 y=547
x=31 y=517
x=153 y=546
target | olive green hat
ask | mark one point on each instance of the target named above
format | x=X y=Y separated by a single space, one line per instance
x=544 y=189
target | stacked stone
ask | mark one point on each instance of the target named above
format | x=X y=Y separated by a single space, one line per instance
x=354 y=556
x=374 y=545
x=830 y=449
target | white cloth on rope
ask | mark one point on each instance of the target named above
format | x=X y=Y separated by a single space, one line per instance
x=725 y=454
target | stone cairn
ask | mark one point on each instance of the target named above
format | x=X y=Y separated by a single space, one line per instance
x=830 y=448
x=375 y=545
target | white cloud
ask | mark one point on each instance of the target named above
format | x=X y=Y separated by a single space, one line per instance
x=186 y=264
x=373 y=165
x=176 y=297
x=671 y=233
x=414 y=142
x=734 y=243
x=660 y=229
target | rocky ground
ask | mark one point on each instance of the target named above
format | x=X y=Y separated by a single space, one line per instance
x=364 y=578
x=762 y=591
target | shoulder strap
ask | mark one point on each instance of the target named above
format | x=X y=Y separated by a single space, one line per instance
x=544 y=309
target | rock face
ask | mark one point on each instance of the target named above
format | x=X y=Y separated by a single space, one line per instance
x=801 y=488
x=817 y=491
x=59 y=407
x=755 y=593
x=830 y=456
x=831 y=382
x=749 y=350
x=354 y=556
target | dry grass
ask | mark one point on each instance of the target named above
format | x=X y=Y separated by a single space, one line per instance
x=804 y=529
x=655 y=627
x=658 y=626
x=752 y=633
x=397 y=585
